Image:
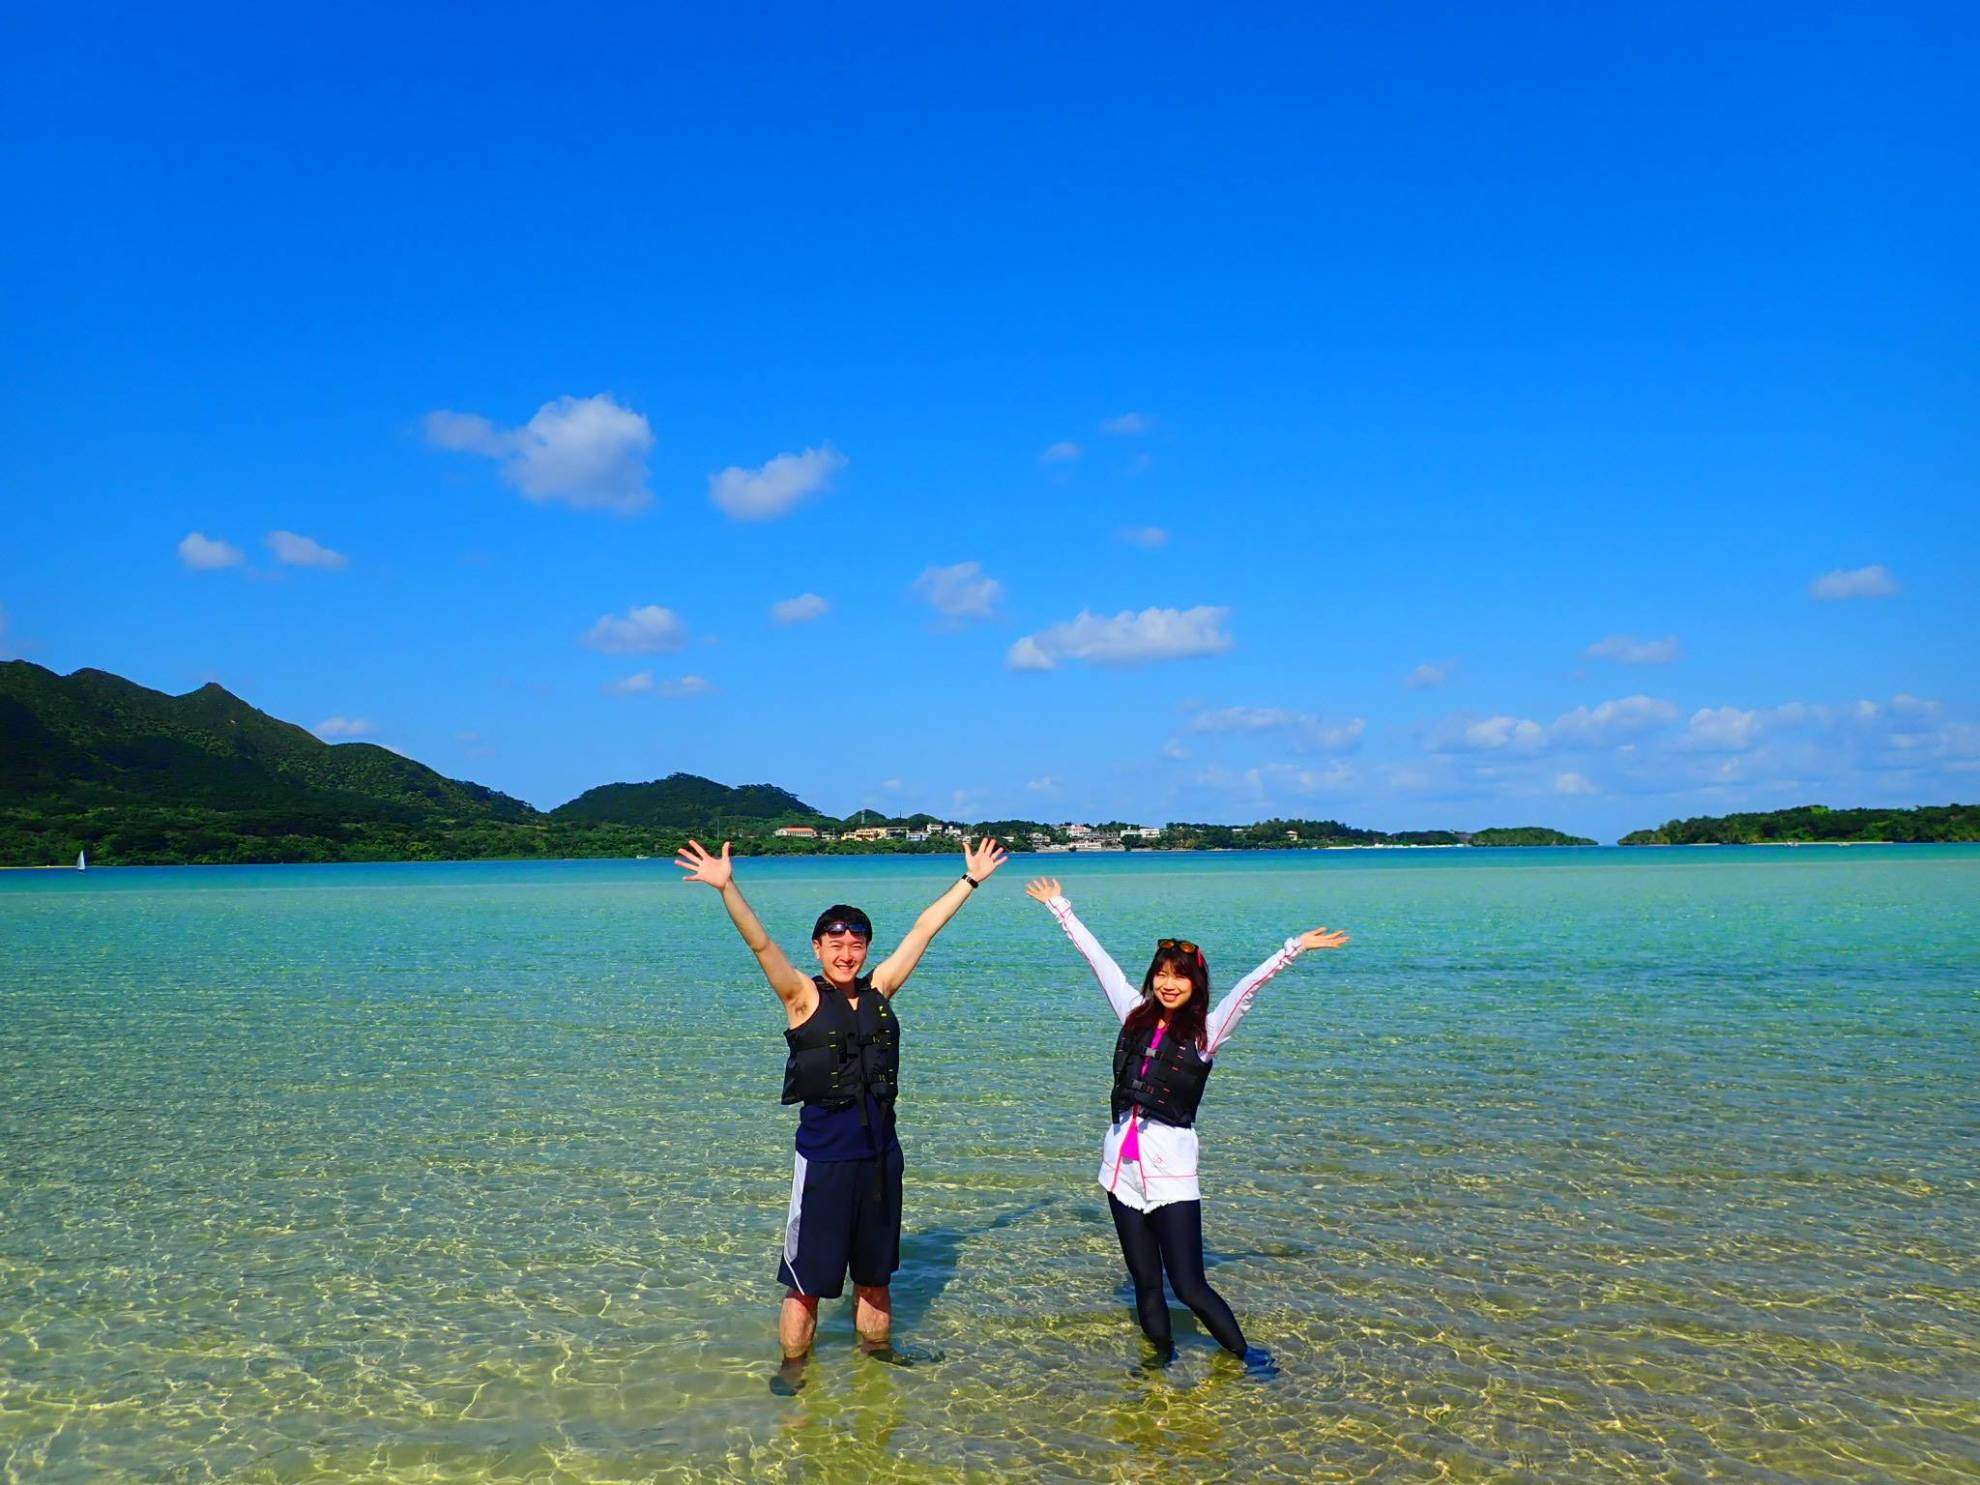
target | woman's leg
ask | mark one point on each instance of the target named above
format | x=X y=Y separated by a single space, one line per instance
x=1178 y=1228
x=1143 y=1252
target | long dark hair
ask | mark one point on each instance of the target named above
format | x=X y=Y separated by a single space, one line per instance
x=1186 y=1021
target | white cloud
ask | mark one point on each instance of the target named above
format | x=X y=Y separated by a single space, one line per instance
x=643 y=630
x=1027 y=654
x=799 y=610
x=464 y=433
x=345 y=727
x=1147 y=537
x=202 y=553
x=1174 y=750
x=1610 y=721
x=1627 y=649
x=1719 y=758
x=1243 y=719
x=467 y=739
x=585 y=452
x=1501 y=731
x=1044 y=784
x=642 y=683
x=299 y=551
x=1573 y=783
x=1722 y=729
x=1874 y=581
x=961 y=591
x=1732 y=729
x=1301 y=780
x=1127 y=425
x=770 y=491
x=1334 y=737
x=1062 y=452
x=1276 y=780
x=1127 y=638
x=1312 y=732
x=1430 y=673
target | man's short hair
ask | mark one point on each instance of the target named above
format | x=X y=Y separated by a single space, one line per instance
x=839 y=918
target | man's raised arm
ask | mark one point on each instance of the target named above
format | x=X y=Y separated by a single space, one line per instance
x=979 y=861
x=719 y=872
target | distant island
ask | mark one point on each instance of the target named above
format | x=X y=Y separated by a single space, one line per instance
x=91 y=761
x=1813 y=824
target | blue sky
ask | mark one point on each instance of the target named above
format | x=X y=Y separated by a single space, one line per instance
x=1424 y=416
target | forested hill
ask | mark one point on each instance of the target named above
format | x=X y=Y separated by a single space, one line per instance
x=95 y=738
x=135 y=776
x=1815 y=822
x=689 y=802
x=91 y=758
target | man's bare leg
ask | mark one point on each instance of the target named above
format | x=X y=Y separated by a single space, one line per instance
x=873 y=1313
x=797 y=1324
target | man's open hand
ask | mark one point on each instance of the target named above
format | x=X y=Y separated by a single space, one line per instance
x=715 y=871
x=983 y=858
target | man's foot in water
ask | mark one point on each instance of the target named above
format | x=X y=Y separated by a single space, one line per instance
x=1157 y=1360
x=886 y=1351
x=789 y=1380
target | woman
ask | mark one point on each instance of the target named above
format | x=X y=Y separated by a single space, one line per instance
x=1169 y=1034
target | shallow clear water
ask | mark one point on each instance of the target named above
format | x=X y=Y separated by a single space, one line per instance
x=1577 y=1165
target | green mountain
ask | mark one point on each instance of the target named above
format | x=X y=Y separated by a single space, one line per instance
x=93 y=760
x=686 y=801
x=1816 y=822
x=135 y=776
x=93 y=738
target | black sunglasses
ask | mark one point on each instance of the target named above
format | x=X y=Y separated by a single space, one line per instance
x=836 y=927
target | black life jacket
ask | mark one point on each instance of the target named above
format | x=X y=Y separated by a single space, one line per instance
x=1173 y=1085
x=839 y=1051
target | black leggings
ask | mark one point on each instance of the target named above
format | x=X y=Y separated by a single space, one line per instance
x=1171 y=1237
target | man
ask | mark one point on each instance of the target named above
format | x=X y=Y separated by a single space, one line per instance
x=843 y=1067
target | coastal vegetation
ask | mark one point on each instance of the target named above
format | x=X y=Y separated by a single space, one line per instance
x=91 y=761
x=1811 y=823
x=1281 y=833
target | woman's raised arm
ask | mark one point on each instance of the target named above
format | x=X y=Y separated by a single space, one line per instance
x=1122 y=996
x=1230 y=1010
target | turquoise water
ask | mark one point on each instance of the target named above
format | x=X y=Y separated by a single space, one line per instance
x=1577 y=1165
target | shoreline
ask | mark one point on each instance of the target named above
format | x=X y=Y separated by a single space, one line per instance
x=1286 y=850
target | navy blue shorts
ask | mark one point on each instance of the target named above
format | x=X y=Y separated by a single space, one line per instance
x=845 y=1214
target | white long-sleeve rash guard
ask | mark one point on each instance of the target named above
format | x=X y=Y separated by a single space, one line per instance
x=1166 y=1169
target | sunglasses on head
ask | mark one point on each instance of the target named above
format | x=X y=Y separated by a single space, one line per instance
x=1179 y=943
x=853 y=928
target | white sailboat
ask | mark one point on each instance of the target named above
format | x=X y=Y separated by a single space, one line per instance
x=82 y=861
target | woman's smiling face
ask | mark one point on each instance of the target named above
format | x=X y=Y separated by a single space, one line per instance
x=1172 y=987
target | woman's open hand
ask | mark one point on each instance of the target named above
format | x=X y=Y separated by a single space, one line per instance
x=1042 y=889
x=700 y=866
x=1320 y=938
x=983 y=858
